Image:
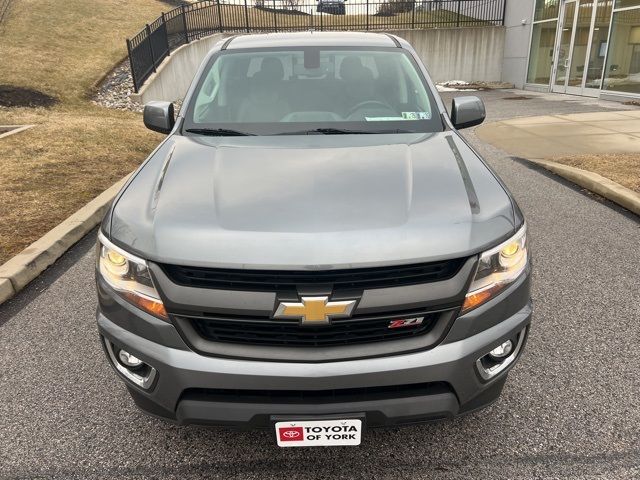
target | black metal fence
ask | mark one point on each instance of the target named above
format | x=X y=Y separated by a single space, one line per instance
x=189 y=22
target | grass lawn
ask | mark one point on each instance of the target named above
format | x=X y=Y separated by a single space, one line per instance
x=234 y=17
x=622 y=168
x=77 y=149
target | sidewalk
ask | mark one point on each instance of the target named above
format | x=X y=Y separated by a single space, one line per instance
x=550 y=136
x=598 y=150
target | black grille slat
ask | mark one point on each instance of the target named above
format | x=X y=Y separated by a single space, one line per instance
x=345 y=332
x=315 y=397
x=270 y=280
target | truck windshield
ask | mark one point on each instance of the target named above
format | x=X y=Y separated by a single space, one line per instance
x=300 y=91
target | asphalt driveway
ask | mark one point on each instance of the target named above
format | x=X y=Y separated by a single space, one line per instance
x=570 y=410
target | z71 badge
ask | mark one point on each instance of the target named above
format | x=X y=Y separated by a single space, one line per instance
x=406 y=322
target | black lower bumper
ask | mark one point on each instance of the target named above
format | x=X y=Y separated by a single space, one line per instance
x=202 y=408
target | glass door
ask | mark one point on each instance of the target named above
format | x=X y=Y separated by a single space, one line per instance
x=597 y=48
x=581 y=40
x=581 y=47
x=564 y=47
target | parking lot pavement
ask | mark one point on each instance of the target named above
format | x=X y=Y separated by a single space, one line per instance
x=571 y=408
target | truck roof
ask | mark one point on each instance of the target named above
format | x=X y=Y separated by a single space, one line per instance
x=312 y=38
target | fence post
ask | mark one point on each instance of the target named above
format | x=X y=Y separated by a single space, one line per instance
x=458 y=16
x=413 y=14
x=367 y=15
x=219 y=16
x=153 y=60
x=504 y=11
x=166 y=34
x=275 y=17
x=133 y=72
x=184 y=23
x=246 y=14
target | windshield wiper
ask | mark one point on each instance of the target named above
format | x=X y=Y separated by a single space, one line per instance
x=328 y=131
x=218 y=132
x=342 y=131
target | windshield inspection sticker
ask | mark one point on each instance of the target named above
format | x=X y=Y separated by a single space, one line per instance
x=319 y=433
x=416 y=115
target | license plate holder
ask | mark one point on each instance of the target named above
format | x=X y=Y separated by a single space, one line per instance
x=318 y=430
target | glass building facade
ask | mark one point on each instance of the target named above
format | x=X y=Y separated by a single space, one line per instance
x=586 y=47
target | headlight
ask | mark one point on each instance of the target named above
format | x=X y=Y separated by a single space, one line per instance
x=497 y=268
x=129 y=276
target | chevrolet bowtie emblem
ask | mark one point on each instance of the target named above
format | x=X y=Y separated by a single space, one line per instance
x=315 y=310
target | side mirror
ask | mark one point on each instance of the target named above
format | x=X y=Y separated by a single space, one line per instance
x=467 y=112
x=159 y=117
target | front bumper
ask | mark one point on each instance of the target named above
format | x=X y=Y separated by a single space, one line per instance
x=192 y=388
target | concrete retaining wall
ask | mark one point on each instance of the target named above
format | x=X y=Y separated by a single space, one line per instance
x=173 y=77
x=473 y=53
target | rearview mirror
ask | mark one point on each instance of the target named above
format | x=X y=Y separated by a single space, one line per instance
x=467 y=112
x=159 y=117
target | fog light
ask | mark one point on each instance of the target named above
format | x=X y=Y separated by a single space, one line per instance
x=130 y=367
x=501 y=351
x=501 y=357
x=129 y=360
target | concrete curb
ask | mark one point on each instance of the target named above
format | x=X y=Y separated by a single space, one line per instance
x=596 y=183
x=18 y=271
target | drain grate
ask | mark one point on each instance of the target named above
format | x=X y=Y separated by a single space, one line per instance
x=517 y=97
x=6 y=130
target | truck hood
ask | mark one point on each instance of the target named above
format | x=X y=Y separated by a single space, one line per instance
x=311 y=202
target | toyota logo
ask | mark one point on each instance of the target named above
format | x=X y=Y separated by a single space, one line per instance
x=291 y=434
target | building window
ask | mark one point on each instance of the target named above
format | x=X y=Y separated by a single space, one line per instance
x=543 y=38
x=598 y=44
x=622 y=73
x=541 y=56
x=546 y=10
x=627 y=3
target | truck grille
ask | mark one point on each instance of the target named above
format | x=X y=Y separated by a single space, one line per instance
x=267 y=332
x=278 y=280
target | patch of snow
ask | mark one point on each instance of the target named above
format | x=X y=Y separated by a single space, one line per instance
x=453 y=83
x=454 y=86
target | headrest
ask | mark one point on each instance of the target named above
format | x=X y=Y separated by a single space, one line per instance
x=271 y=69
x=351 y=68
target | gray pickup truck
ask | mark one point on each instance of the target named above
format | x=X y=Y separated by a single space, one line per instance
x=313 y=248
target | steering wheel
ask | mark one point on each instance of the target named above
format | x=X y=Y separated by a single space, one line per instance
x=377 y=103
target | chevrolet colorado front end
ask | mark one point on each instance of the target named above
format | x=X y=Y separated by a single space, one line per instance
x=313 y=248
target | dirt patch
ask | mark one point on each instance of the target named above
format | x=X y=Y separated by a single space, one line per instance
x=11 y=96
x=517 y=97
x=622 y=168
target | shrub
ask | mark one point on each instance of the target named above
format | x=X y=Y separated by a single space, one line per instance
x=393 y=7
